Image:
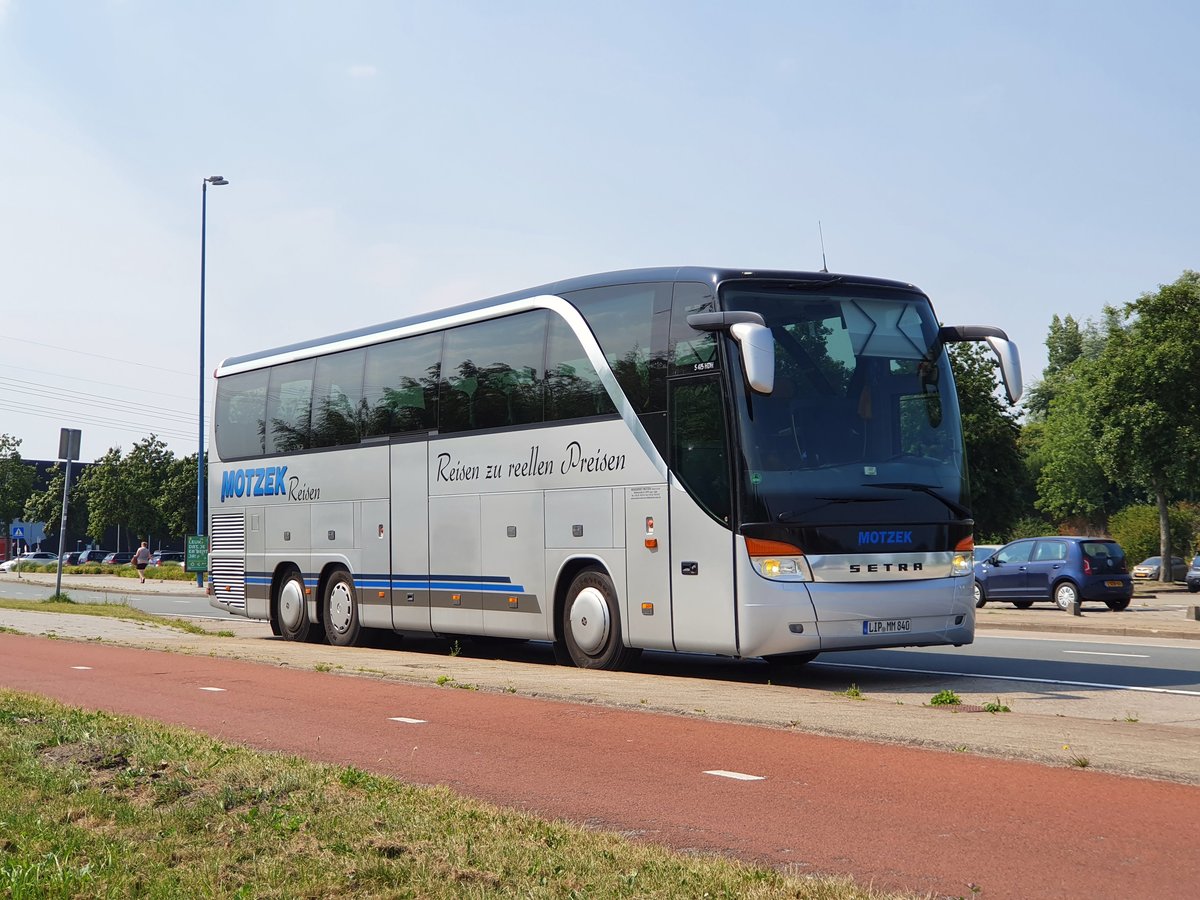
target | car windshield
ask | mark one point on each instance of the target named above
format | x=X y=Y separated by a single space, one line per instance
x=1152 y=561
x=863 y=411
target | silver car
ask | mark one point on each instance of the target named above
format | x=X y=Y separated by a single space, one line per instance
x=1148 y=569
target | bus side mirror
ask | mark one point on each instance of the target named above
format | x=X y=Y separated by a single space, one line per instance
x=758 y=355
x=754 y=339
x=1005 y=350
x=1010 y=367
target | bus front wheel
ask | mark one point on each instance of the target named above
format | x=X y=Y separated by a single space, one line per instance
x=291 y=613
x=591 y=624
x=339 y=611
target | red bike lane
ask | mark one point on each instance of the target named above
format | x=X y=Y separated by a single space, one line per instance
x=897 y=818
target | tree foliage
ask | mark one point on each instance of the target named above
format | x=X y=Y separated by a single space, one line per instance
x=1000 y=490
x=1145 y=423
x=1135 y=528
x=16 y=480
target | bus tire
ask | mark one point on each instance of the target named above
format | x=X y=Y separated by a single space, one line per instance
x=339 y=610
x=291 y=610
x=591 y=624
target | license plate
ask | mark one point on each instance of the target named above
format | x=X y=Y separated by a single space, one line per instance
x=1112 y=584
x=886 y=626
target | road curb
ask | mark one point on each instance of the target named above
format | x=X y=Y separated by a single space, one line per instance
x=1111 y=630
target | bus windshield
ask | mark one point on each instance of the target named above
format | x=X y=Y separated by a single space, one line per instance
x=863 y=411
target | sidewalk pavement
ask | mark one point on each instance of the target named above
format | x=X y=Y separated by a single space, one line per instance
x=1121 y=731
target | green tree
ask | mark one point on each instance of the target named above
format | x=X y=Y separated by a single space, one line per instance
x=103 y=482
x=1061 y=448
x=1146 y=428
x=144 y=471
x=46 y=505
x=1064 y=345
x=1000 y=491
x=16 y=480
x=176 y=498
x=1135 y=528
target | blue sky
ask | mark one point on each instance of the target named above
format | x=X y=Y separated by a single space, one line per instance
x=1013 y=160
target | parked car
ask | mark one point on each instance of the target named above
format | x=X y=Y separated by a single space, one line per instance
x=1060 y=569
x=1148 y=569
x=1193 y=576
x=92 y=556
x=35 y=558
x=166 y=556
x=72 y=558
x=119 y=558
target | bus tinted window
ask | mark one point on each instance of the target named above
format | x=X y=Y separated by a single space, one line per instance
x=240 y=414
x=622 y=319
x=289 y=407
x=491 y=373
x=337 y=399
x=692 y=350
x=400 y=388
x=573 y=389
x=698 y=444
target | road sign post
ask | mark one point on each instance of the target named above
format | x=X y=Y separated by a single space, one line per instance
x=68 y=450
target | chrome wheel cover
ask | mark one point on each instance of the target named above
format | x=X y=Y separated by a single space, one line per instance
x=291 y=605
x=341 y=607
x=589 y=620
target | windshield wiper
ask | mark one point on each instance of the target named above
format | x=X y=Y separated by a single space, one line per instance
x=961 y=511
x=789 y=516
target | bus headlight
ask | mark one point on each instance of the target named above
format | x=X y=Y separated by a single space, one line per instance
x=777 y=560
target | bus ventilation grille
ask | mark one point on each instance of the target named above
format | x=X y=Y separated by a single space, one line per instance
x=228 y=572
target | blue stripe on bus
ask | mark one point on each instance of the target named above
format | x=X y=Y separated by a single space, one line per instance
x=383 y=582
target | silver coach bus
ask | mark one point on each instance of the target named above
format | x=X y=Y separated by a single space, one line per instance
x=752 y=464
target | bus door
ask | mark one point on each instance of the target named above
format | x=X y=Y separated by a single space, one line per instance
x=409 y=543
x=702 y=544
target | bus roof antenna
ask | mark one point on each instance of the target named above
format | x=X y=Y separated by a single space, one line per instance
x=821 y=231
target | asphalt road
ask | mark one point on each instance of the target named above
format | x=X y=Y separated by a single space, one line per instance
x=897 y=818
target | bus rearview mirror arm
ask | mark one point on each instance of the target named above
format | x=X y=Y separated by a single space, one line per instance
x=754 y=339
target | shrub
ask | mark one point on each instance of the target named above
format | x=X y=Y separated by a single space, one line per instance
x=1135 y=528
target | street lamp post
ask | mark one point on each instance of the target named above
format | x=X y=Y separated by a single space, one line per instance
x=215 y=181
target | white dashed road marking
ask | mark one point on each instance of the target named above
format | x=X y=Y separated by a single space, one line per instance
x=406 y=720
x=737 y=776
x=82 y=668
x=215 y=690
x=1102 y=653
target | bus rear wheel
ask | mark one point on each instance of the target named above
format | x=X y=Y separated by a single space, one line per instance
x=591 y=624
x=291 y=612
x=339 y=611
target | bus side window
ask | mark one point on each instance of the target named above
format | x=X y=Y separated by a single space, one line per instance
x=622 y=318
x=337 y=399
x=699 y=454
x=491 y=373
x=241 y=414
x=400 y=385
x=573 y=388
x=289 y=407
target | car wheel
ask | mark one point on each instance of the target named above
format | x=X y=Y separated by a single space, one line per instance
x=339 y=611
x=1066 y=595
x=1022 y=604
x=291 y=613
x=1192 y=588
x=1117 y=605
x=591 y=624
x=980 y=596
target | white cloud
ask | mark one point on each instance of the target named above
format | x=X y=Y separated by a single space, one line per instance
x=360 y=70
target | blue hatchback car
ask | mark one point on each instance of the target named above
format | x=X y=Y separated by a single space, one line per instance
x=1063 y=570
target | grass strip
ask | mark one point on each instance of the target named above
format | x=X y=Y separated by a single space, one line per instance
x=98 y=805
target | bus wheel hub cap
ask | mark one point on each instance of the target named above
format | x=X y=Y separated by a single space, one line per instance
x=589 y=620
x=291 y=605
x=341 y=609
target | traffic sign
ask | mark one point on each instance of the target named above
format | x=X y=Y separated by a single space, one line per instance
x=196 y=557
x=18 y=531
